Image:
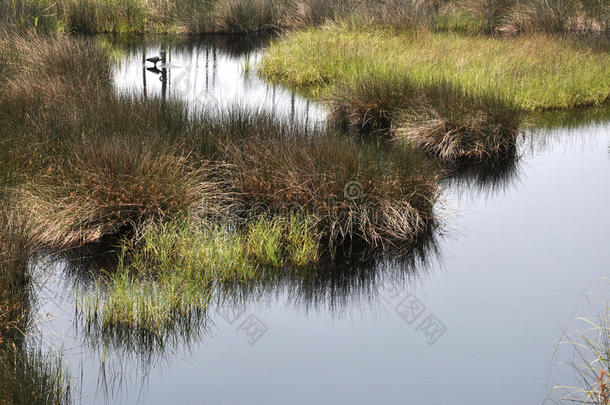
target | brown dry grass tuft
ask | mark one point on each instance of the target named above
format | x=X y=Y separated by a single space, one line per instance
x=387 y=205
x=107 y=186
x=441 y=119
x=38 y=68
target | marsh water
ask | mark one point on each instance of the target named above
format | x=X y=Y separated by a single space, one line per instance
x=210 y=73
x=473 y=318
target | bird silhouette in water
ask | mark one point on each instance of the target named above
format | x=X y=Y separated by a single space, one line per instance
x=157 y=71
x=157 y=59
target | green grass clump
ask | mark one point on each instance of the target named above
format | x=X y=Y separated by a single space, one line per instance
x=302 y=241
x=532 y=72
x=166 y=277
x=273 y=241
x=265 y=241
x=167 y=273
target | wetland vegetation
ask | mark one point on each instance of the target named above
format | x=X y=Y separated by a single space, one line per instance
x=206 y=16
x=189 y=203
x=265 y=193
x=455 y=97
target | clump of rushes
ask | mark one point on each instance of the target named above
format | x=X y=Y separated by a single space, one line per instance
x=453 y=126
x=39 y=69
x=108 y=185
x=590 y=362
x=242 y=16
x=265 y=241
x=302 y=241
x=390 y=198
x=167 y=273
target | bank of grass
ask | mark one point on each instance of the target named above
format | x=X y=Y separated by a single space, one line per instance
x=533 y=72
x=207 y=16
x=260 y=194
x=456 y=97
x=100 y=165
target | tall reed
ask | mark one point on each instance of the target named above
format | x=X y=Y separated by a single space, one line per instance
x=591 y=361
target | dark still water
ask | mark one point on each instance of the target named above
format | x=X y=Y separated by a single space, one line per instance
x=475 y=320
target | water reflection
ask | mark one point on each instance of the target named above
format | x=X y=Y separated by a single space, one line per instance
x=541 y=133
x=122 y=357
x=579 y=128
x=484 y=180
x=567 y=119
x=490 y=297
x=343 y=285
x=208 y=73
x=337 y=286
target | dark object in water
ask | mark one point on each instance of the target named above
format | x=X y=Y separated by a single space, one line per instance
x=157 y=71
x=157 y=59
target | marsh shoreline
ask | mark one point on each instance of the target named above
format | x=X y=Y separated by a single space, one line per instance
x=183 y=207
